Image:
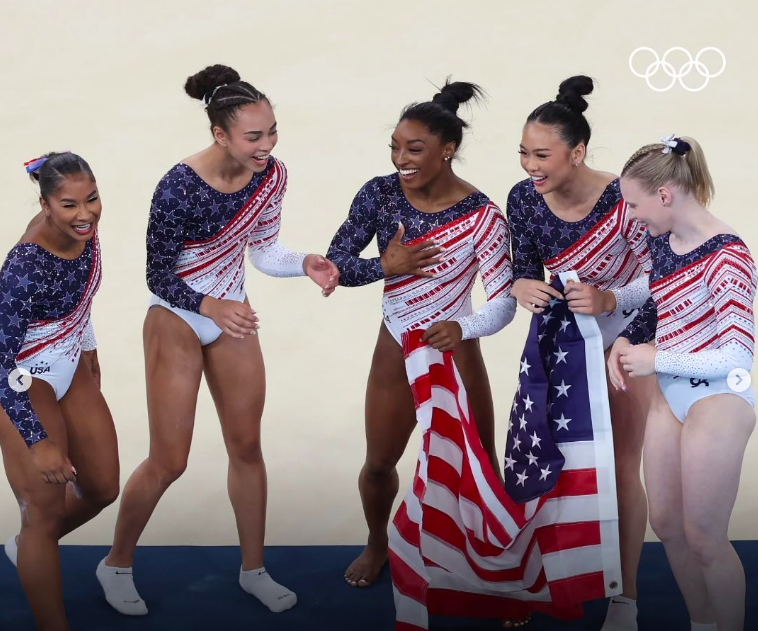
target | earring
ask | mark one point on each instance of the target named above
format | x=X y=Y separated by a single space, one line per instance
x=447 y=158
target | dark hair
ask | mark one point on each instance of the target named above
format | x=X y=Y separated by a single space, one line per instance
x=223 y=93
x=56 y=168
x=440 y=114
x=566 y=111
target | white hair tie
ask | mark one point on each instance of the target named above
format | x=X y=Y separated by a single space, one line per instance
x=207 y=101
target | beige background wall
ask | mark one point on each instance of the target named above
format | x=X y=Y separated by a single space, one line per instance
x=105 y=79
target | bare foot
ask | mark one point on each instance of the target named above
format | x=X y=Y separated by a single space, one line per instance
x=367 y=567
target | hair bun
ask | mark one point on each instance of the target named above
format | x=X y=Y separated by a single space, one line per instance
x=452 y=95
x=572 y=91
x=202 y=84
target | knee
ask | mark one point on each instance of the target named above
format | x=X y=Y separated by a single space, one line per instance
x=104 y=494
x=379 y=470
x=666 y=525
x=245 y=450
x=168 y=470
x=704 y=546
x=42 y=519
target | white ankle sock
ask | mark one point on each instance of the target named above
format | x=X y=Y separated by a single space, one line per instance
x=622 y=615
x=120 y=592
x=11 y=550
x=258 y=583
x=701 y=626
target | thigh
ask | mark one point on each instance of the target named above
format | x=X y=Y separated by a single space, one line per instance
x=34 y=495
x=629 y=413
x=662 y=463
x=390 y=410
x=714 y=437
x=235 y=374
x=173 y=370
x=92 y=443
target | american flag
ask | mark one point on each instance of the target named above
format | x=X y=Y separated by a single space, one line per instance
x=460 y=543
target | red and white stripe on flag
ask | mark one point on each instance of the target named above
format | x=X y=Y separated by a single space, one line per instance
x=460 y=546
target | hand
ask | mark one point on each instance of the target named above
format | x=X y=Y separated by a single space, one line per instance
x=639 y=360
x=52 y=464
x=90 y=360
x=588 y=300
x=534 y=295
x=399 y=259
x=234 y=318
x=444 y=336
x=322 y=272
x=615 y=372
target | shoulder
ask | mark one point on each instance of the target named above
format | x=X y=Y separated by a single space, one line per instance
x=276 y=167
x=521 y=194
x=376 y=187
x=22 y=270
x=180 y=178
x=730 y=255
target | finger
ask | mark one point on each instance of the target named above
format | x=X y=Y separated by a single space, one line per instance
x=46 y=478
x=430 y=331
x=234 y=334
x=531 y=307
x=244 y=322
x=613 y=371
x=422 y=273
x=400 y=232
x=59 y=477
x=551 y=290
x=439 y=343
x=420 y=254
x=435 y=337
x=538 y=301
x=429 y=243
x=428 y=262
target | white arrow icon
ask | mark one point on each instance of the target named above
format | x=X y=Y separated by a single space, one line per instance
x=738 y=380
x=20 y=379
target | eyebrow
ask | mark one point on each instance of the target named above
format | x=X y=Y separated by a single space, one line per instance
x=68 y=199
x=256 y=131
x=538 y=149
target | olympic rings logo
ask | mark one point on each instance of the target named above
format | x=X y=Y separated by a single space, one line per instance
x=684 y=71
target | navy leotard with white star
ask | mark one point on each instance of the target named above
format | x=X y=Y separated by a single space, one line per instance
x=185 y=208
x=376 y=210
x=34 y=285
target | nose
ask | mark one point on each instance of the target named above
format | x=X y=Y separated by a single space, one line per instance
x=402 y=157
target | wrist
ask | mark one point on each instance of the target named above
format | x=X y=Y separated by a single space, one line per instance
x=306 y=262
x=206 y=306
x=609 y=301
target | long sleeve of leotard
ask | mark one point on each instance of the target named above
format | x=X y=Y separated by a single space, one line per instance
x=353 y=236
x=527 y=262
x=731 y=280
x=89 y=343
x=20 y=284
x=164 y=243
x=492 y=247
x=641 y=330
x=264 y=250
x=634 y=294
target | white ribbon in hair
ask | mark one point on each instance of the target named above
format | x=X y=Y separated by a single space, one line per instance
x=669 y=143
x=207 y=101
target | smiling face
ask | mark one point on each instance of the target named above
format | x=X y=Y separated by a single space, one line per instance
x=251 y=136
x=74 y=208
x=546 y=158
x=419 y=155
x=653 y=210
